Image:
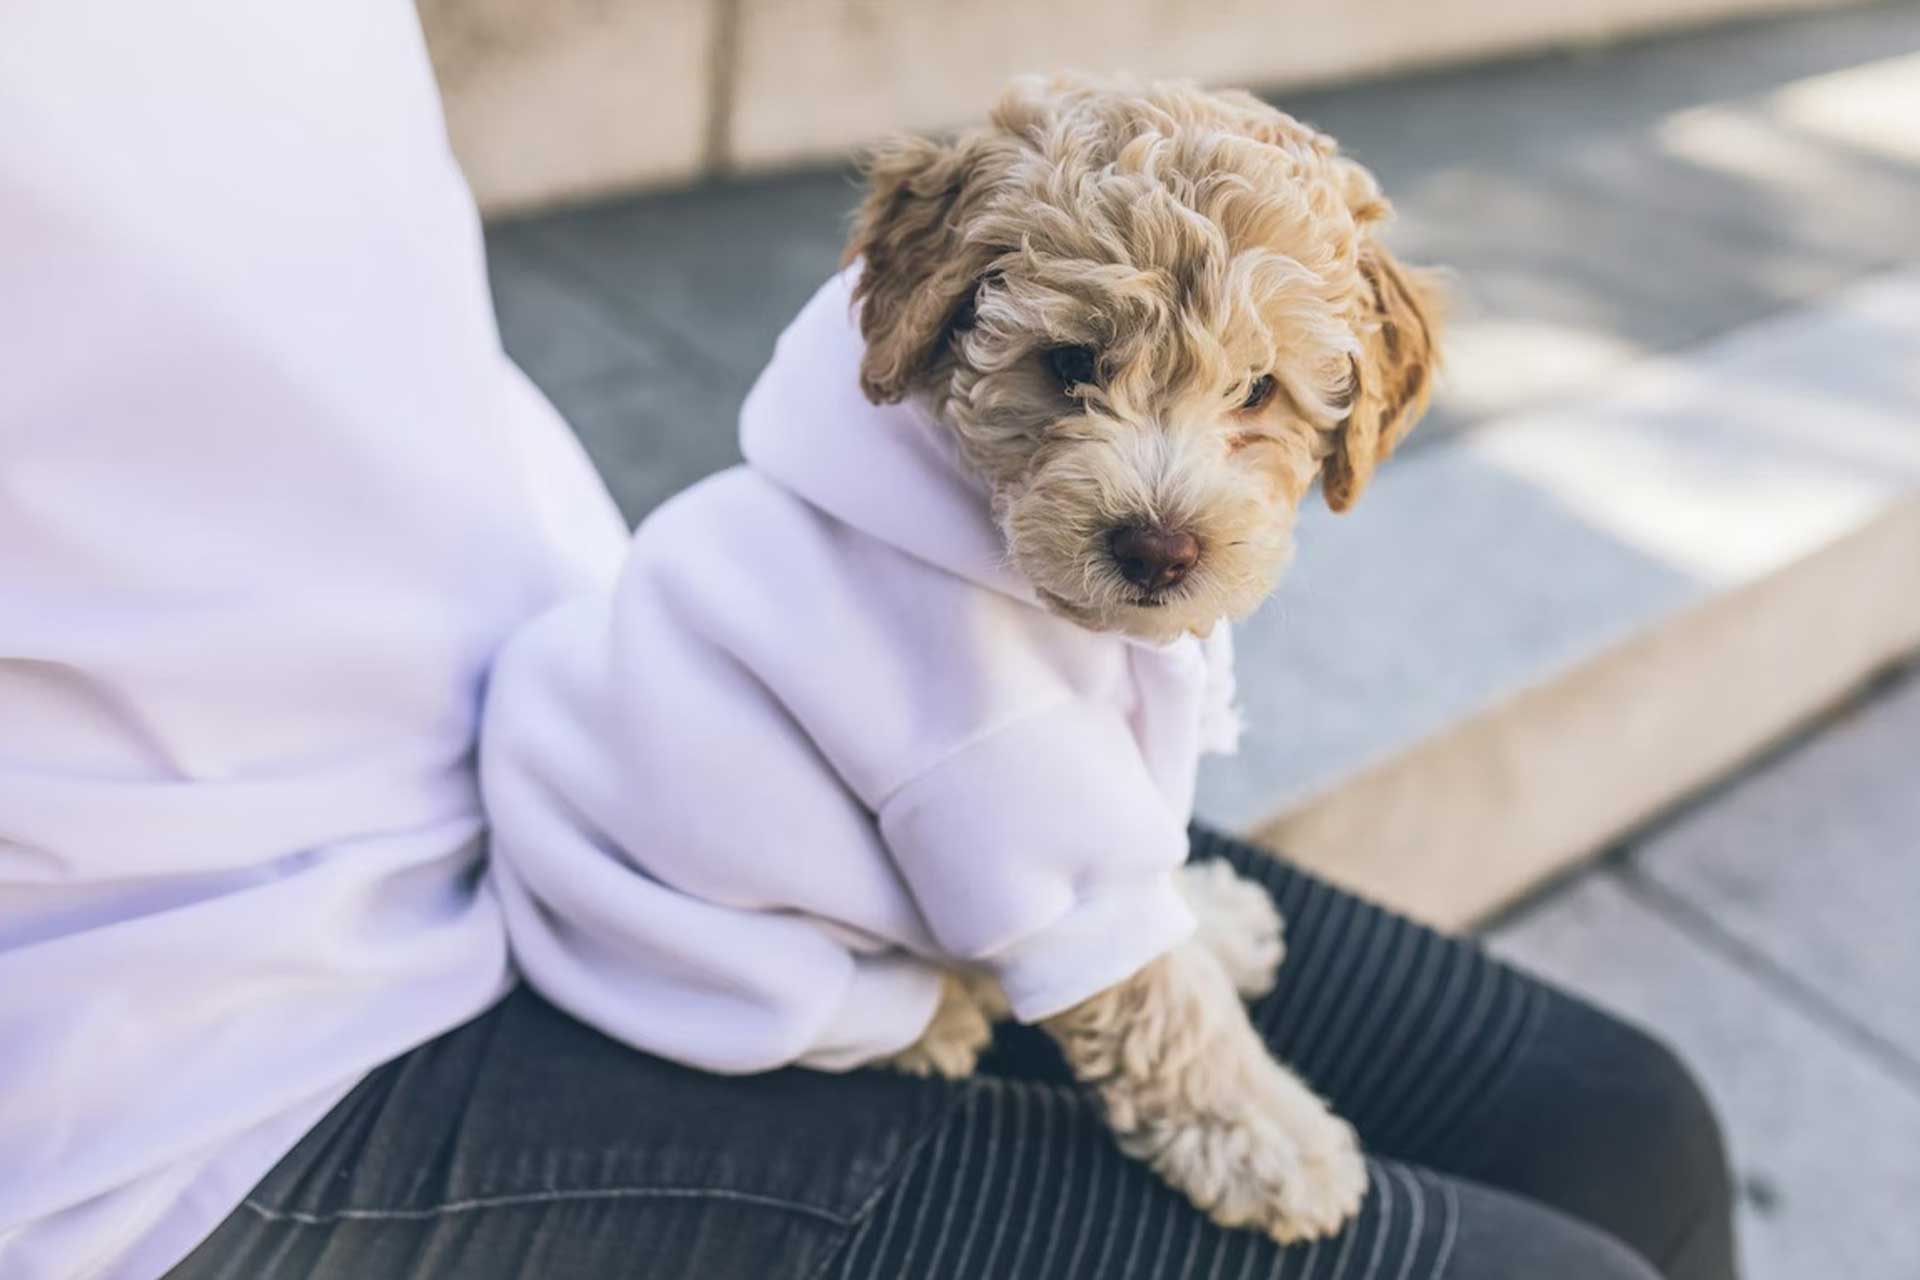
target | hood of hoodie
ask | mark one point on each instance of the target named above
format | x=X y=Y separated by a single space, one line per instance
x=890 y=470
x=894 y=473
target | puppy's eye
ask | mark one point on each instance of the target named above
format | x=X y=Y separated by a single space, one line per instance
x=1073 y=366
x=1259 y=393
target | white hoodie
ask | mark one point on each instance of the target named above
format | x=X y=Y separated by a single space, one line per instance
x=270 y=498
x=821 y=739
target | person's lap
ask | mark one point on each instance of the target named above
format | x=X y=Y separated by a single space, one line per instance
x=1509 y=1126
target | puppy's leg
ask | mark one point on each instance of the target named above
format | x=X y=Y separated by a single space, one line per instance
x=961 y=1029
x=1238 y=923
x=1190 y=1088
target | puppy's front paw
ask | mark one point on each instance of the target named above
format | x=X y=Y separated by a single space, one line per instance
x=1237 y=922
x=1190 y=1088
x=1325 y=1184
x=1275 y=1160
x=956 y=1037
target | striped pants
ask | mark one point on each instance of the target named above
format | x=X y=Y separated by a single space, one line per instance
x=1514 y=1134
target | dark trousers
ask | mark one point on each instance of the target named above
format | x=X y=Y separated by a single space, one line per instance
x=1514 y=1134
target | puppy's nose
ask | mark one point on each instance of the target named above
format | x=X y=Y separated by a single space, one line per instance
x=1152 y=557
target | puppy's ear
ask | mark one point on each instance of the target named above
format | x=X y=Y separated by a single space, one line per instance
x=917 y=276
x=1397 y=321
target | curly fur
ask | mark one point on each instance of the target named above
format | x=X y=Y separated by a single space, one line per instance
x=1189 y=1087
x=1195 y=242
x=1186 y=1084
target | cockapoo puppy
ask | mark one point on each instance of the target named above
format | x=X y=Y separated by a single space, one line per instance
x=1151 y=317
x=893 y=729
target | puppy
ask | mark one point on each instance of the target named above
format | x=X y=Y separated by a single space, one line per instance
x=892 y=730
x=1150 y=318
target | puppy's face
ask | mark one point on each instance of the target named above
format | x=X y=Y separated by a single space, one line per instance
x=1151 y=317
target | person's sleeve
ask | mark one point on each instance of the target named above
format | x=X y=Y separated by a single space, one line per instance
x=1044 y=852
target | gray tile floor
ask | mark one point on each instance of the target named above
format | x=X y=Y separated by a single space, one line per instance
x=1769 y=930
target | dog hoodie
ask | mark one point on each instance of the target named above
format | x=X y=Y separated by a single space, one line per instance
x=820 y=741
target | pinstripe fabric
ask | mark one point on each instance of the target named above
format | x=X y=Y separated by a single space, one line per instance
x=1406 y=1031
x=1510 y=1129
x=1023 y=1181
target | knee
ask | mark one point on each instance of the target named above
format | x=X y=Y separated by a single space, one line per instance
x=1501 y=1237
x=1616 y=1130
x=1667 y=1132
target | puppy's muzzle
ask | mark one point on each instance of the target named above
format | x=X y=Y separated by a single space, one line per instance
x=1152 y=557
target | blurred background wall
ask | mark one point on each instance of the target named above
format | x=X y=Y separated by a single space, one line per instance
x=553 y=101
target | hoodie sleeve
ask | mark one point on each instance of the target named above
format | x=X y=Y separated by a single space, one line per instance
x=1044 y=852
x=633 y=906
x=690 y=980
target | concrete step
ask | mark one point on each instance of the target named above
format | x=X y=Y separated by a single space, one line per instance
x=1807 y=868
x=1536 y=634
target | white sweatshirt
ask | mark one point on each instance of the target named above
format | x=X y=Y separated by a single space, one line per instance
x=270 y=498
x=821 y=739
